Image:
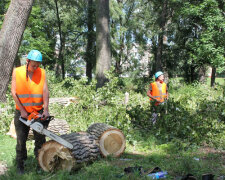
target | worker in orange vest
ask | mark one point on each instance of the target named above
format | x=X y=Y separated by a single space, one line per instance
x=30 y=93
x=158 y=91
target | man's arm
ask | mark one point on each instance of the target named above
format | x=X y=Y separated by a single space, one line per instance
x=45 y=98
x=167 y=94
x=24 y=113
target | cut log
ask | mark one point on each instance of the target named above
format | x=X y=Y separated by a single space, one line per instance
x=65 y=101
x=54 y=156
x=111 y=140
x=58 y=126
x=12 y=130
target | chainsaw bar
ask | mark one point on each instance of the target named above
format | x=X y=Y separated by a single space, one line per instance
x=38 y=127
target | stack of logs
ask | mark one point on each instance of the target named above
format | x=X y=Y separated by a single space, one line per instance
x=100 y=139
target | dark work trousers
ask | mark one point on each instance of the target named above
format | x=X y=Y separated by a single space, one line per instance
x=22 y=131
x=158 y=109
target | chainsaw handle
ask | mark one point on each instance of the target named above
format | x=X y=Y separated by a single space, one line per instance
x=49 y=118
x=23 y=118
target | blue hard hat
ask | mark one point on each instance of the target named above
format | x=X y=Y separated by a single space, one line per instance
x=35 y=55
x=159 y=73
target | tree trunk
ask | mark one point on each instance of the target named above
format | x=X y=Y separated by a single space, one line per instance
x=201 y=74
x=166 y=75
x=159 y=54
x=119 y=59
x=62 y=41
x=90 y=51
x=17 y=61
x=54 y=156
x=58 y=69
x=213 y=77
x=61 y=56
x=10 y=38
x=111 y=140
x=192 y=73
x=118 y=67
x=103 y=50
x=163 y=20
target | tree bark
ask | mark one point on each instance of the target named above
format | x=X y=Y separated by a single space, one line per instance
x=213 y=77
x=103 y=50
x=10 y=38
x=90 y=51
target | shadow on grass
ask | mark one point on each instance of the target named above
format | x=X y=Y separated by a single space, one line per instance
x=31 y=171
x=177 y=165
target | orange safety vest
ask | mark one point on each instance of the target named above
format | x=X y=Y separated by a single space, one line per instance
x=158 y=94
x=30 y=92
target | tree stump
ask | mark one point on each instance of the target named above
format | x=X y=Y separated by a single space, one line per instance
x=111 y=140
x=57 y=126
x=54 y=156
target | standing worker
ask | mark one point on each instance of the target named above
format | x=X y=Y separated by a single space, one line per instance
x=158 y=91
x=30 y=93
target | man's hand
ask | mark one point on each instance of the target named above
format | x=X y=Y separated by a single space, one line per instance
x=156 y=100
x=45 y=115
x=24 y=114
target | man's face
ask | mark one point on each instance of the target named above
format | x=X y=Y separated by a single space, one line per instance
x=33 y=65
x=161 y=78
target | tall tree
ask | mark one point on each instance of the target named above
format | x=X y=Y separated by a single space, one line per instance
x=10 y=38
x=213 y=77
x=62 y=40
x=90 y=51
x=103 y=50
x=162 y=19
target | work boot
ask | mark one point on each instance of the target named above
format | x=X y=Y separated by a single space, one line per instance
x=38 y=169
x=20 y=169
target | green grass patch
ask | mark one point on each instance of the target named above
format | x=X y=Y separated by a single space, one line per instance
x=166 y=156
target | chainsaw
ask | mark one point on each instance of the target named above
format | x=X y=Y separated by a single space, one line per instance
x=34 y=120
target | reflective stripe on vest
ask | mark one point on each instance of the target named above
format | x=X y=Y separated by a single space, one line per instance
x=32 y=104
x=30 y=91
x=30 y=95
x=158 y=94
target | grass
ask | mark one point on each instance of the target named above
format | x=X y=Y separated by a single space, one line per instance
x=220 y=81
x=168 y=157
